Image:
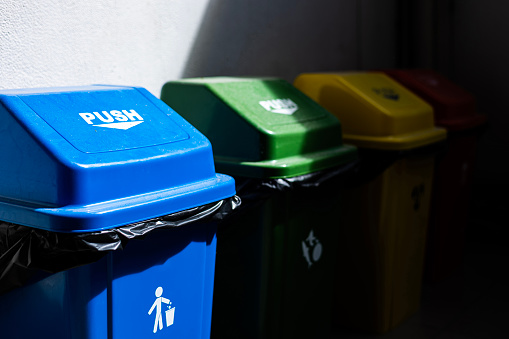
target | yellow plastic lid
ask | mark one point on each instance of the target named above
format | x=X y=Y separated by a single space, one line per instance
x=375 y=110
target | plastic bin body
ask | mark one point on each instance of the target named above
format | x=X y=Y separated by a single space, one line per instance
x=380 y=268
x=454 y=110
x=93 y=158
x=450 y=205
x=262 y=129
x=112 y=297
x=378 y=277
x=263 y=282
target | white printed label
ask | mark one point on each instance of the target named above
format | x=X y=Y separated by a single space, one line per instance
x=311 y=249
x=113 y=119
x=281 y=106
x=157 y=306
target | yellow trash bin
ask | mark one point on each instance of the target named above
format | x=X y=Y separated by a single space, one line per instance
x=381 y=251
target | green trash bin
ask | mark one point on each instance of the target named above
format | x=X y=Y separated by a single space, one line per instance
x=275 y=258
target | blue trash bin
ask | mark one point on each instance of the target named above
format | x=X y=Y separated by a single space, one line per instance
x=88 y=160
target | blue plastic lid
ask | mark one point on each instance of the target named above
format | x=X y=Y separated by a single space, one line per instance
x=96 y=157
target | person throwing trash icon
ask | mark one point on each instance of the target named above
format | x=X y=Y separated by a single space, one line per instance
x=157 y=306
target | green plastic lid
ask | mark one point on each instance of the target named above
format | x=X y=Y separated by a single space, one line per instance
x=260 y=127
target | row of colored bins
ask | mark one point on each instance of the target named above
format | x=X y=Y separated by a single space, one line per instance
x=275 y=259
x=386 y=240
x=381 y=250
x=89 y=165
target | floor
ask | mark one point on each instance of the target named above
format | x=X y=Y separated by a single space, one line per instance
x=473 y=302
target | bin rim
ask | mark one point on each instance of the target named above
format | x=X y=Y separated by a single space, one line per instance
x=398 y=141
x=114 y=213
x=288 y=167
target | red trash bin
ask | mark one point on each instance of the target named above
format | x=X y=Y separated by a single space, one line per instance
x=454 y=110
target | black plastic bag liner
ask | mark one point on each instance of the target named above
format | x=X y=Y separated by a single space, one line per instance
x=26 y=250
x=312 y=187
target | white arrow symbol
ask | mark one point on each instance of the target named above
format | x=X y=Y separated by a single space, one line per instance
x=121 y=125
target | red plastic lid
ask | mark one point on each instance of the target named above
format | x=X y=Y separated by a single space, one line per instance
x=454 y=107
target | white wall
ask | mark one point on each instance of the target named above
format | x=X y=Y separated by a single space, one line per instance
x=58 y=42
x=146 y=43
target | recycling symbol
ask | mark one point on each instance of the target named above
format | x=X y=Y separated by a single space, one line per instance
x=417 y=193
x=311 y=249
